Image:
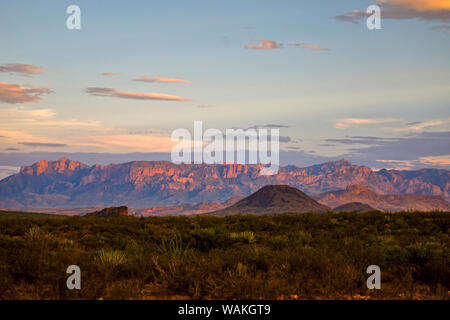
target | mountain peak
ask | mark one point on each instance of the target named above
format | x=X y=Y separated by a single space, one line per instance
x=62 y=165
x=273 y=199
x=343 y=162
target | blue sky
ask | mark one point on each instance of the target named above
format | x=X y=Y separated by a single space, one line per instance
x=391 y=84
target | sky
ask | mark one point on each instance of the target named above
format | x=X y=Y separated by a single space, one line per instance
x=137 y=70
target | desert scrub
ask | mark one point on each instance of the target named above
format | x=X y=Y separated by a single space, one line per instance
x=110 y=258
x=244 y=236
x=173 y=247
x=249 y=257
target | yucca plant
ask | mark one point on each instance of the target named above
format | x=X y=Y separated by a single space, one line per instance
x=173 y=247
x=244 y=236
x=111 y=258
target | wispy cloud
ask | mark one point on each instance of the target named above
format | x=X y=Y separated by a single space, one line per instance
x=412 y=150
x=352 y=17
x=419 y=5
x=429 y=10
x=22 y=69
x=268 y=126
x=43 y=144
x=109 y=74
x=145 y=78
x=440 y=161
x=359 y=140
x=22 y=113
x=420 y=126
x=436 y=161
x=308 y=46
x=111 y=92
x=14 y=93
x=134 y=142
x=271 y=44
x=264 y=45
x=41 y=117
x=352 y=122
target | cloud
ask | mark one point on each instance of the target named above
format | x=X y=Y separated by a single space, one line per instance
x=416 y=149
x=160 y=79
x=40 y=117
x=428 y=10
x=350 y=140
x=22 y=69
x=14 y=93
x=264 y=45
x=135 y=142
x=419 y=5
x=12 y=149
x=109 y=74
x=420 y=126
x=268 y=126
x=22 y=113
x=351 y=122
x=285 y=139
x=110 y=92
x=352 y=17
x=308 y=46
x=441 y=161
x=437 y=162
x=271 y=44
x=41 y=144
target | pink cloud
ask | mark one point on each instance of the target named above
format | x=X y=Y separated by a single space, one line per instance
x=353 y=122
x=264 y=45
x=14 y=93
x=429 y=10
x=111 y=92
x=419 y=5
x=20 y=68
x=160 y=79
x=309 y=46
x=109 y=74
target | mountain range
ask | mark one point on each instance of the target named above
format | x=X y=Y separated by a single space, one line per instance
x=341 y=200
x=143 y=184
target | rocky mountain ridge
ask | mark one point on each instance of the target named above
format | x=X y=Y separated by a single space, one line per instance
x=143 y=184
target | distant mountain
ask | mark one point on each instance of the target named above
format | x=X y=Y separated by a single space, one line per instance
x=274 y=199
x=353 y=207
x=143 y=184
x=185 y=209
x=109 y=212
x=397 y=202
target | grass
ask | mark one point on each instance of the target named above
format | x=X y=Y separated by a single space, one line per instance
x=288 y=256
